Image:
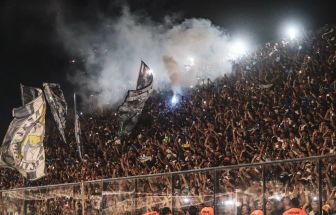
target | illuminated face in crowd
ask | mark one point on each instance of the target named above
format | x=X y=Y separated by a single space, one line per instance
x=269 y=206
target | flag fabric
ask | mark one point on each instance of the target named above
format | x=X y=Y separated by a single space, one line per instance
x=22 y=147
x=27 y=94
x=77 y=130
x=58 y=105
x=135 y=100
x=145 y=78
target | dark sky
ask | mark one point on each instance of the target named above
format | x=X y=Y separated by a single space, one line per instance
x=32 y=53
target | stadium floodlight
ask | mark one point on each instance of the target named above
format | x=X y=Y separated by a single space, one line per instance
x=292 y=32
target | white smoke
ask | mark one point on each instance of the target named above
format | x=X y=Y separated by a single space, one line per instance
x=178 y=53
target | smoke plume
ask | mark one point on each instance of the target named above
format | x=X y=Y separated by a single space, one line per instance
x=178 y=53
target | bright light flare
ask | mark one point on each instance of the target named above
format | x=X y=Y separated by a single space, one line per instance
x=277 y=197
x=151 y=72
x=229 y=202
x=292 y=32
x=191 y=61
x=239 y=48
x=174 y=99
x=186 y=200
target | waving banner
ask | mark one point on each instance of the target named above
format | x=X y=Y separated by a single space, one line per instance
x=27 y=94
x=22 y=147
x=58 y=105
x=135 y=100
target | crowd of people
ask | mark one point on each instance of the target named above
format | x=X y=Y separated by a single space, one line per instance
x=278 y=103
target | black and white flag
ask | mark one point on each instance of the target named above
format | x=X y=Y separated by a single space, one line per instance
x=135 y=100
x=27 y=94
x=58 y=105
x=22 y=148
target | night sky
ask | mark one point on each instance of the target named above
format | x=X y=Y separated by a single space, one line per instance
x=32 y=53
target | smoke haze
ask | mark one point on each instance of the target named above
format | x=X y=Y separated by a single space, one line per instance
x=178 y=53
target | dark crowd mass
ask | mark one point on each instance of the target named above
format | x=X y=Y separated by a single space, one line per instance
x=278 y=103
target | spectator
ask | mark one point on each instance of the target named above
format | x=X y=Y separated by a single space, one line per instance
x=192 y=210
x=166 y=211
x=295 y=208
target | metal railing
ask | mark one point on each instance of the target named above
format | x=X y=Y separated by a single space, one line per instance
x=227 y=189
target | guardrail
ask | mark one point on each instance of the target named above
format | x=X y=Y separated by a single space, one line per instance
x=223 y=188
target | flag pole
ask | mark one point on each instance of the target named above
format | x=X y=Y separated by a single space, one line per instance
x=77 y=129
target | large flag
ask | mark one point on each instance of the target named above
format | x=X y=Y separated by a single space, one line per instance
x=135 y=100
x=22 y=148
x=27 y=94
x=77 y=130
x=58 y=105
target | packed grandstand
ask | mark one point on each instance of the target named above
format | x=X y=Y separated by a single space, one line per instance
x=278 y=103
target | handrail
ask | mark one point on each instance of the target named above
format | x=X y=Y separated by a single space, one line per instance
x=183 y=172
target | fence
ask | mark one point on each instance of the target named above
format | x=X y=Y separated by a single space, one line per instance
x=237 y=189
